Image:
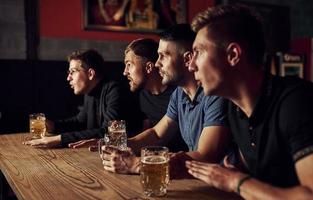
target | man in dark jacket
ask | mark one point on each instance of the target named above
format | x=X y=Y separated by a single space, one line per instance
x=101 y=102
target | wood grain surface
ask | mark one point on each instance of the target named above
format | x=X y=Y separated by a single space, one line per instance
x=64 y=173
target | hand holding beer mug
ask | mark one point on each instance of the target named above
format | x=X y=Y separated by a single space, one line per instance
x=37 y=125
x=154 y=171
x=116 y=136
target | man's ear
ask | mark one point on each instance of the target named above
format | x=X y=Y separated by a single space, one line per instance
x=91 y=73
x=187 y=58
x=149 y=67
x=234 y=53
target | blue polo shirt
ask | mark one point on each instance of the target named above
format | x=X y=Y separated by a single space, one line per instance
x=193 y=116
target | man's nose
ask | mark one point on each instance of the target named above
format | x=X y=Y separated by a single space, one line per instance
x=125 y=72
x=192 y=65
x=157 y=64
x=69 y=77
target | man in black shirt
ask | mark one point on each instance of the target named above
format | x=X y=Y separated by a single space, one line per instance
x=140 y=58
x=270 y=117
x=102 y=102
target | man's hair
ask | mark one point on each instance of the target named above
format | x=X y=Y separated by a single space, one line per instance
x=147 y=49
x=182 y=34
x=234 y=23
x=89 y=59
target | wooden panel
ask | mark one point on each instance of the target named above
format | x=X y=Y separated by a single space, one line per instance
x=77 y=174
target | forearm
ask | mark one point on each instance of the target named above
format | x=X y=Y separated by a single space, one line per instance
x=196 y=155
x=70 y=137
x=254 y=189
x=70 y=124
x=147 y=138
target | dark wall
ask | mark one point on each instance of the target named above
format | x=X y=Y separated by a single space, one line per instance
x=37 y=86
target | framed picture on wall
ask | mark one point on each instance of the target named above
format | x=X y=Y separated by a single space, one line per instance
x=133 y=15
x=290 y=64
x=292 y=69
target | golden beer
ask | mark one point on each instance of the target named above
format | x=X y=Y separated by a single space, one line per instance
x=154 y=175
x=37 y=125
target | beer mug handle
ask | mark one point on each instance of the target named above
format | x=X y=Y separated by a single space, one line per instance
x=102 y=142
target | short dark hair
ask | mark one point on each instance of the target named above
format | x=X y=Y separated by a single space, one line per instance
x=234 y=23
x=90 y=59
x=181 y=34
x=145 y=48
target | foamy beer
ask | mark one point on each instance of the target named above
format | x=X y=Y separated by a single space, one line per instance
x=154 y=171
x=37 y=125
x=116 y=135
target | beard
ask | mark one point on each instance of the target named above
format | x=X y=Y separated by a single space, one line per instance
x=134 y=86
x=175 y=79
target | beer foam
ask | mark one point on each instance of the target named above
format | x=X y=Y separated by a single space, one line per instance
x=154 y=159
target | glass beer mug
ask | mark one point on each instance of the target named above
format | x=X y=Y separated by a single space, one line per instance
x=37 y=125
x=116 y=136
x=154 y=171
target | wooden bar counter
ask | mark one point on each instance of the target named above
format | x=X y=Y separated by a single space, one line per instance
x=63 y=173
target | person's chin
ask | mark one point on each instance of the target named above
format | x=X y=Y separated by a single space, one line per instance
x=77 y=92
x=199 y=83
x=165 y=81
x=133 y=89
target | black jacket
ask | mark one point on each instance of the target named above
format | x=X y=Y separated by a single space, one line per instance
x=101 y=105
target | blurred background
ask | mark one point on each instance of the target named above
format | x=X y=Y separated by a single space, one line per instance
x=37 y=35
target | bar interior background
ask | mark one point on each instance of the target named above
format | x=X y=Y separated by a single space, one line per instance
x=36 y=36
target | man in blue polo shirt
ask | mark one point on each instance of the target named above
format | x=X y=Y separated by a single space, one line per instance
x=200 y=119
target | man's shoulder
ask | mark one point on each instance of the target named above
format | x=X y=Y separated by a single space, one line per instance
x=113 y=86
x=292 y=87
x=111 y=83
x=212 y=99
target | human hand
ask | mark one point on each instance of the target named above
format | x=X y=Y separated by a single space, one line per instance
x=91 y=143
x=215 y=175
x=178 y=169
x=45 y=142
x=115 y=160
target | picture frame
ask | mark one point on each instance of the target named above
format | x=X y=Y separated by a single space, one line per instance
x=150 y=16
x=289 y=64
x=292 y=69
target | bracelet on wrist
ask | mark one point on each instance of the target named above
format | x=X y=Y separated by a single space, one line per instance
x=241 y=181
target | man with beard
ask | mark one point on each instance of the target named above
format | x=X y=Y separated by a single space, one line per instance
x=140 y=69
x=201 y=120
x=143 y=76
